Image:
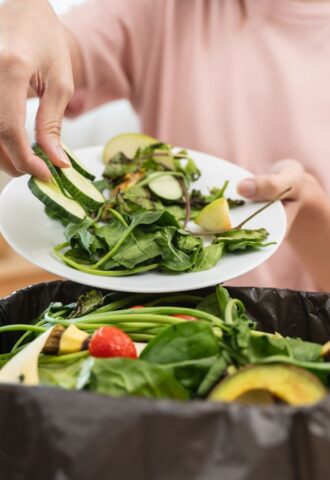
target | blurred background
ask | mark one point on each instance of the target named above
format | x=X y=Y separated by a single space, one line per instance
x=93 y=128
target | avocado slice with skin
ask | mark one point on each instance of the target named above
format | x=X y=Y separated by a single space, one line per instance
x=285 y=383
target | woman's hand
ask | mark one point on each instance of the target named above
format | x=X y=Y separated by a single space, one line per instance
x=308 y=211
x=283 y=175
x=34 y=54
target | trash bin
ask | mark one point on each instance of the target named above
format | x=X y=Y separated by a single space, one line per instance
x=54 y=434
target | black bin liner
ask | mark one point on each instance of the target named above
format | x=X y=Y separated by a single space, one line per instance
x=53 y=434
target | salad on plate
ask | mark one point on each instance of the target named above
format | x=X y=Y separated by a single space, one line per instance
x=144 y=214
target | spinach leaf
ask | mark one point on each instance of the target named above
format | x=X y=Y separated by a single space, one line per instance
x=263 y=346
x=82 y=235
x=174 y=260
x=188 y=350
x=208 y=257
x=178 y=211
x=111 y=232
x=121 y=377
x=190 y=373
x=210 y=304
x=185 y=341
x=137 y=248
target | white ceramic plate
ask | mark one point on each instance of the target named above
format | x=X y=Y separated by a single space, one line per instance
x=32 y=234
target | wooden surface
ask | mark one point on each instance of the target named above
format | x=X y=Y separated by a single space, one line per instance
x=16 y=272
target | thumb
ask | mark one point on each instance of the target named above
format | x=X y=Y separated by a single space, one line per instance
x=285 y=174
x=49 y=117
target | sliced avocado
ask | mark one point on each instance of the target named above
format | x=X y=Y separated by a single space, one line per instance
x=127 y=143
x=288 y=384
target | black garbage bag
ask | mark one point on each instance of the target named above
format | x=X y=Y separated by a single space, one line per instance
x=53 y=434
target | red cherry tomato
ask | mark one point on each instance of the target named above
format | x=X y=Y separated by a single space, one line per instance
x=111 y=342
x=138 y=306
x=183 y=316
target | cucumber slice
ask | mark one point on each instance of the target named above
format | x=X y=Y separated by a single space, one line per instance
x=166 y=187
x=52 y=197
x=81 y=189
x=75 y=162
x=127 y=143
x=53 y=170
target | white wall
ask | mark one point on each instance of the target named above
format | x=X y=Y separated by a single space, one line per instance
x=93 y=128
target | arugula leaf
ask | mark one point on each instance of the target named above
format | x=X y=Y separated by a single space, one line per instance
x=119 y=166
x=121 y=377
x=241 y=239
x=87 y=303
x=138 y=198
x=199 y=201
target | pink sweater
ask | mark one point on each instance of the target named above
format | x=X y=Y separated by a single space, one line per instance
x=248 y=81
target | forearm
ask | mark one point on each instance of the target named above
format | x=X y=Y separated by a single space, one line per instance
x=310 y=233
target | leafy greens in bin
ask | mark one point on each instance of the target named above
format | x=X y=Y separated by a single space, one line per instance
x=140 y=223
x=191 y=350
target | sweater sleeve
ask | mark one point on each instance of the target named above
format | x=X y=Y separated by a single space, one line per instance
x=113 y=37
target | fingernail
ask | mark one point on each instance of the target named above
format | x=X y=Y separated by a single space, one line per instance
x=247 y=188
x=63 y=156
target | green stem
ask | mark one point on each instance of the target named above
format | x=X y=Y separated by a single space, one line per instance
x=233 y=303
x=26 y=335
x=115 y=249
x=118 y=216
x=61 y=246
x=45 y=359
x=105 y=273
x=126 y=317
x=143 y=337
x=194 y=299
x=20 y=327
x=167 y=311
